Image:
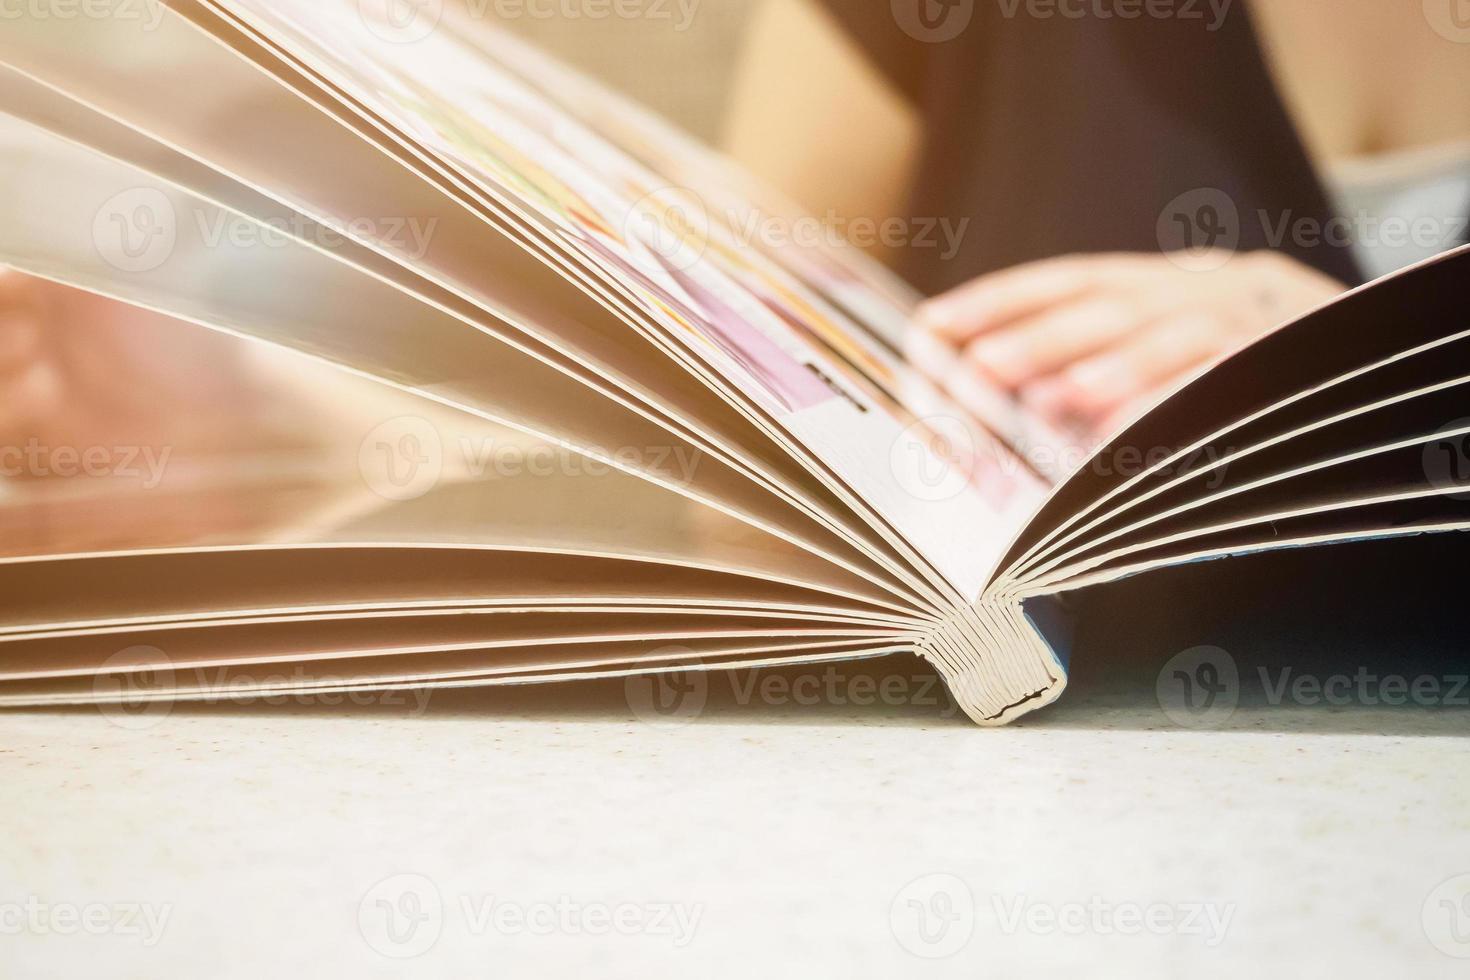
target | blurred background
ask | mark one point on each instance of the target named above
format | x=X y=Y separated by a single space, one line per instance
x=683 y=71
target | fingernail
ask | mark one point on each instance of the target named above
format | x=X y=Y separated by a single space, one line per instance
x=1057 y=401
x=1046 y=396
x=18 y=337
x=932 y=316
x=39 y=389
x=1100 y=374
x=1003 y=357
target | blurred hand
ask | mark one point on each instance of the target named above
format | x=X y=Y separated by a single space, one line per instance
x=1089 y=341
x=80 y=370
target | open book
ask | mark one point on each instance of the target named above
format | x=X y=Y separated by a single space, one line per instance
x=582 y=412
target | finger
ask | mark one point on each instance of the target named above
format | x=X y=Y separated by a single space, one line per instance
x=1093 y=389
x=1131 y=411
x=33 y=396
x=1047 y=342
x=999 y=298
x=20 y=342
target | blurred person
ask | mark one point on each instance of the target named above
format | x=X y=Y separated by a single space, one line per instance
x=1076 y=143
x=1289 y=145
x=82 y=370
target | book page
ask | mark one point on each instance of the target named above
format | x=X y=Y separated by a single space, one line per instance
x=800 y=359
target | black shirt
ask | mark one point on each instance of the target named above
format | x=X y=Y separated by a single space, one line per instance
x=1061 y=126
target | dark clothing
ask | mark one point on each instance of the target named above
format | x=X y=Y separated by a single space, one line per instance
x=1088 y=131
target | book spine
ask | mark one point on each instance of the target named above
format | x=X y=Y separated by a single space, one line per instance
x=994 y=661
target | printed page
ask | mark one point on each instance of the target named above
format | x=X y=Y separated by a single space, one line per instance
x=919 y=460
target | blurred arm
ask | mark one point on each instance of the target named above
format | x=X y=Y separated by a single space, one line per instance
x=813 y=118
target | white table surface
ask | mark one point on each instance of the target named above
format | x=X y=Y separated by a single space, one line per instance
x=791 y=838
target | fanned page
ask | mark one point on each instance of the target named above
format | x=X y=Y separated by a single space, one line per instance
x=774 y=341
x=392 y=362
x=514 y=394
